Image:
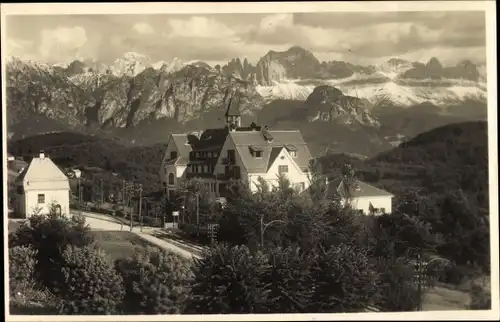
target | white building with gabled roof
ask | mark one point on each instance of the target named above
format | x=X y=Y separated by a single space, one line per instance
x=236 y=153
x=361 y=196
x=41 y=185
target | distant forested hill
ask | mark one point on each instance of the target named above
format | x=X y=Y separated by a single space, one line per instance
x=140 y=163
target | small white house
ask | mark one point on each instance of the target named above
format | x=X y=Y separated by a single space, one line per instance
x=40 y=185
x=361 y=196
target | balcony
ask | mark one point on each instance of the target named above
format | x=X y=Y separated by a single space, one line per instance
x=230 y=173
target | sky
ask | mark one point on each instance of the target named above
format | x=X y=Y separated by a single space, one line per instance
x=357 y=37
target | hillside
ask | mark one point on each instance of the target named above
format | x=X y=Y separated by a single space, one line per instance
x=444 y=159
x=77 y=150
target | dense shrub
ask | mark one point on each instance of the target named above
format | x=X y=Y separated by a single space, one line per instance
x=344 y=281
x=49 y=236
x=91 y=285
x=397 y=289
x=22 y=261
x=228 y=280
x=289 y=280
x=155 y=282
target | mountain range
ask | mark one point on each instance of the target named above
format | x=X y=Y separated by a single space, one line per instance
x=140 y=100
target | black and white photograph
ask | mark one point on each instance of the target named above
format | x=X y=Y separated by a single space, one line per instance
x=177 y=161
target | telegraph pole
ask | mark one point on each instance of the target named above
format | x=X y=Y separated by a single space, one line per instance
x=123 y=195
x=140 y=204
x=102 y=194
x=197 y=213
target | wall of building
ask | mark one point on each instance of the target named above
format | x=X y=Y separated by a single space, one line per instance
x=294 y=174
x=363 y=203
x=220 y=168
x=171 y=147
x=60 y=197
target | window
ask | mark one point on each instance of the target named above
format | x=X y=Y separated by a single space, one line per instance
x=209 y=154
x=258 y=154
x=171 y=179
x=302 y=186
x=41 y=198
x=283 y=169
x=231 y=156
x=382 y=210
x=173 y=155
x=293 y=154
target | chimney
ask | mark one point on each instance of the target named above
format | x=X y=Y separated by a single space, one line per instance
x=42 y=155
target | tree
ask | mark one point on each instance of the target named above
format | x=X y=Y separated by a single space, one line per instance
x=397 y=290
x=49 y=235
x=155 y=282
x=349 y=175
x=289 y=280
x=91 y=285
x=344 y=280
x=22 y=261
x=228 y=280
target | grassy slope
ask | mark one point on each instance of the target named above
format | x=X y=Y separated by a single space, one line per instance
x=120 y=244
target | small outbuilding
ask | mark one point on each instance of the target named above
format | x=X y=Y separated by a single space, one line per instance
x=42 y=185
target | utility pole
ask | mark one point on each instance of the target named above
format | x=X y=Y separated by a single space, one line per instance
x=123 y=195
x=263 y=227
x=102 y=194
x=262 y=230
x=140 y=204
x=197 y=214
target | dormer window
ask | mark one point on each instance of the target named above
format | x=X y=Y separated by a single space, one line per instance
x=292 y=150
x=256 y=151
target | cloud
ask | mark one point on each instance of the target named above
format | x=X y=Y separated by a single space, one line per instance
x=62 y=43
x=143 y=28
x=19 y=48
x=198 y=27
x=370 y=35
x=351 y=36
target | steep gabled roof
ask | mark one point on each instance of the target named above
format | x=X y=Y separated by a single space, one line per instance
x=337 y=187
x=181 y=142
x=211 y=139
x=243 y=140
x=273 y=155
x=43 y=174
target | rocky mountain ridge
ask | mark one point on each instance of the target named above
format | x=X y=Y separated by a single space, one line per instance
x=133 y=90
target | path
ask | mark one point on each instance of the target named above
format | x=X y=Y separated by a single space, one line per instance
x=103 y=222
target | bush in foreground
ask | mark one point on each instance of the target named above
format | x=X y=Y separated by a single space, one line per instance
x=282 y=280
x=155 y=282
x=92 y=284
x=343 y=281
x=21 y=268
x=49 y=236
x=228 y=281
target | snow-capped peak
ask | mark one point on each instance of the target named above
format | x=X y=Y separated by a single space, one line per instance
x=394 y=67
x=174 y=66
x=159 y=64
x=130 y=64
